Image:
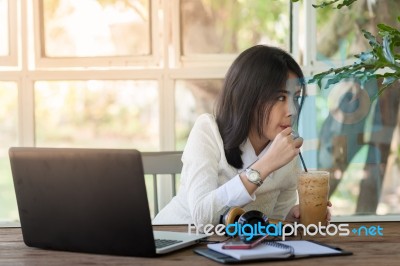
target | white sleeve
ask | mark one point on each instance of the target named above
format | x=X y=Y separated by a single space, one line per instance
x=207 y=198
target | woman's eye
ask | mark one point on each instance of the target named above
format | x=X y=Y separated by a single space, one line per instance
x=282 y=98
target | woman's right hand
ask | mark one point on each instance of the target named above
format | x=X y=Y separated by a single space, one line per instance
x=282 y=150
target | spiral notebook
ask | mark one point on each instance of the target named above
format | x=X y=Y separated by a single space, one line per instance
x=271 y=250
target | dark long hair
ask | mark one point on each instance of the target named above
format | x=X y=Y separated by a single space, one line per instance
x=249 y=91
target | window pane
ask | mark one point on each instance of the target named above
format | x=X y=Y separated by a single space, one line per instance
x=8 y=138
x=230 y=26
x=199 y=97
x=109 y=114
x=96 y=28
x=4 y=41
x=359 y=144
x=339 y=43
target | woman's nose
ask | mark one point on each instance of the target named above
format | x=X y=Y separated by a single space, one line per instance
x=292 y=109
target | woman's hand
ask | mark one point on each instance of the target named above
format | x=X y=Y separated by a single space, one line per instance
x=282 y=150
x=328 y=212
x=294 y=213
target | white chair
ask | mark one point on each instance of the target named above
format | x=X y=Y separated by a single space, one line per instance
x=162 y=164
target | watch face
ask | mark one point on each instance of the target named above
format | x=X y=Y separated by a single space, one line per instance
x=253 y=176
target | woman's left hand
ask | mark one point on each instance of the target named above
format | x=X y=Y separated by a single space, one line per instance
x=294 y=213
x=328 y=212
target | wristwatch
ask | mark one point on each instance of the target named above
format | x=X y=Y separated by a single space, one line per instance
x=253 y=176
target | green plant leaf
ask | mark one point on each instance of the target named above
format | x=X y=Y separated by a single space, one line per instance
x=371 y=38
x=387 y=49
x=383 y=58
x=330 y=3
x=366 y=57
x=389 y=80
x=325 y=4
x=346 y=3
x=387 y=28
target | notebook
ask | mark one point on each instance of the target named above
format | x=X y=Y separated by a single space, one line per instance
x=270 y=250
x=87 y=200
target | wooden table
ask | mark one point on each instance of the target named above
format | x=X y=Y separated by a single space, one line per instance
x=368 y=250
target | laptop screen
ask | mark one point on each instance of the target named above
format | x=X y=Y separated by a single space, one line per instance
x=86 y=200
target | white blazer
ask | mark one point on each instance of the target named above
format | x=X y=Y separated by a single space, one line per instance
x=209 y=185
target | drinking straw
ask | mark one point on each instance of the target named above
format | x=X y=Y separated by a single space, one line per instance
x=295 y=136
x=302 y=162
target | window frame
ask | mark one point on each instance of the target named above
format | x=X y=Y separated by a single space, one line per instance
x=11 y=60
x=166 y=66
x=152 y=60
x=310 y=58
x=310 y=66
x=206 y=59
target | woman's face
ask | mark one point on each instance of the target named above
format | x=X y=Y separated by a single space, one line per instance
x=284 y=111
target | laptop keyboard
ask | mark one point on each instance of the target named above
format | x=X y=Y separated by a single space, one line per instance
x=161 y=243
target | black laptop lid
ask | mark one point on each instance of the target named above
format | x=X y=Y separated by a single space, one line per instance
x=87 y=200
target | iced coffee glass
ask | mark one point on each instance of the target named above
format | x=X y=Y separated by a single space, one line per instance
x=313 y=188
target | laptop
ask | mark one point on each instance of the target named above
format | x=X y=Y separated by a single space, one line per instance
x=88 y=200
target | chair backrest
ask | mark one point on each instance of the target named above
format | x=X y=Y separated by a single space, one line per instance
x=162 y=164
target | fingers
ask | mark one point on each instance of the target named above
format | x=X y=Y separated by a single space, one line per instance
x=296 y=213
x=287 y=131
x=293 y=136
x=298 y=142
x=284 y=148
x=328 y=214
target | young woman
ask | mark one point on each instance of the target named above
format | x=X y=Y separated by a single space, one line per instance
x=246 y=154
